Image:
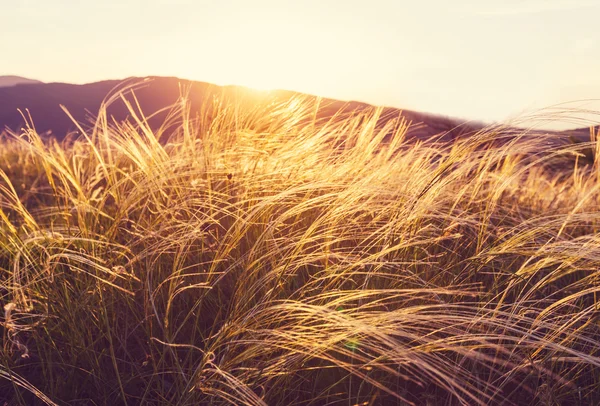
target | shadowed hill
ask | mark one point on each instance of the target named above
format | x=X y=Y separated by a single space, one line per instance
x=43 y=102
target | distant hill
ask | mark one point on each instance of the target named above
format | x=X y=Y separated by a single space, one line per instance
x=9 y=80
x=43 y=101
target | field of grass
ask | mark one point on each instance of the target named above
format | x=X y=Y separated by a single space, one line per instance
x=259 y=255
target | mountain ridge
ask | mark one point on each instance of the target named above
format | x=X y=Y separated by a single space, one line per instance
x=43 y=102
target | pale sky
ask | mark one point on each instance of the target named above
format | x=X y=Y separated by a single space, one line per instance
x=474 y=59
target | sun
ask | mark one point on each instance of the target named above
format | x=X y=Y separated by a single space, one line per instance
x=268 y=55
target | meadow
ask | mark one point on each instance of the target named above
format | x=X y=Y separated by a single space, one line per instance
x=256 y=254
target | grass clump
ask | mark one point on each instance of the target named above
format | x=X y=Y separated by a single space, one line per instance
x=258 y=254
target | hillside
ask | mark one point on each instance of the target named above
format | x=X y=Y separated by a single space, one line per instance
x=43 y=102
x=156 y=94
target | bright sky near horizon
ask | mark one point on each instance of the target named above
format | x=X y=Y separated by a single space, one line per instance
x=475 y=59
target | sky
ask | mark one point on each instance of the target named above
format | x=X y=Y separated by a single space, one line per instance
x=484 y=60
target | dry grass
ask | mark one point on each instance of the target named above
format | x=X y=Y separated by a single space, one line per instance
x=260 y=256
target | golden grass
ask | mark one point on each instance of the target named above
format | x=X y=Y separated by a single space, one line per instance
x=259 y=255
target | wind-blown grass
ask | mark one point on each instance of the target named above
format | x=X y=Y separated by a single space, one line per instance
x=261 y=255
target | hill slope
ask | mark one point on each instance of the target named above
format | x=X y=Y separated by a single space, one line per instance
x=43 y=102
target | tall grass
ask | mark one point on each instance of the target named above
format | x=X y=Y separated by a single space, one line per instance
x=258 y=254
